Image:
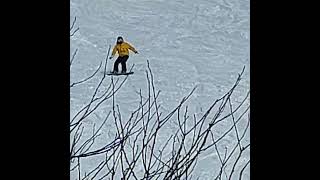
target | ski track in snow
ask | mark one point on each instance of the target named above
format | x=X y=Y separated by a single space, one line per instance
x=188 y=43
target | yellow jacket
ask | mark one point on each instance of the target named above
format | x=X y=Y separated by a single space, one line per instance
x=123 y=49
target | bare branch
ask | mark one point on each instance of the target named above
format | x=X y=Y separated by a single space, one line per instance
x=88 y=78
x=73 y=56
x=242 y=170
x=74 y=32
x=73 y=23
x=135 y=152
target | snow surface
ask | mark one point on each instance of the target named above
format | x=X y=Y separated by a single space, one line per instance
x=188 y=43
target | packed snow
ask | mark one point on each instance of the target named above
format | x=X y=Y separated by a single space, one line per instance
x=203 y=43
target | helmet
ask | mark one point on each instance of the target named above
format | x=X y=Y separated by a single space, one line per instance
x=119 y=40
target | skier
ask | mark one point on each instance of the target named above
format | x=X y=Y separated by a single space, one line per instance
x=123 y=51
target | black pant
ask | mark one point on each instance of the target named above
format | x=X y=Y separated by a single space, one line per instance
x=121 y=60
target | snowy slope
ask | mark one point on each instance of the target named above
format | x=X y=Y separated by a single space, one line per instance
x=188 y=43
